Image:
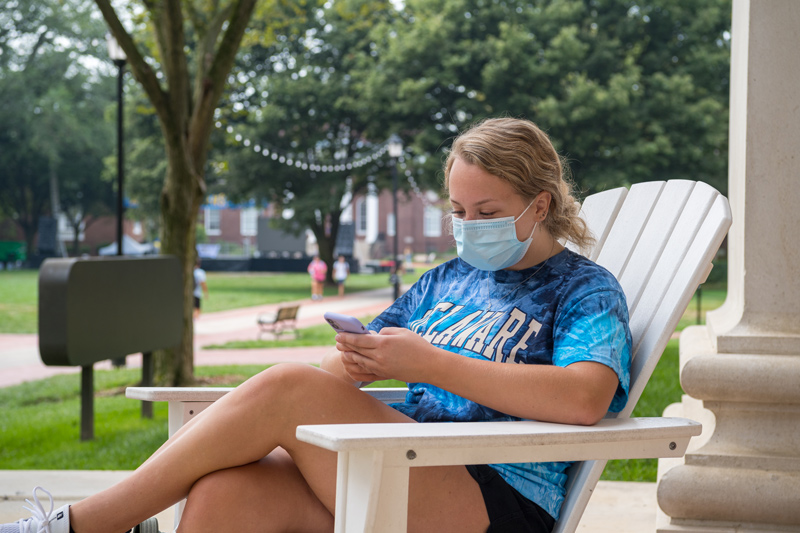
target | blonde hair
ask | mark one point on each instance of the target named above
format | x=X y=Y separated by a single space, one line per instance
x=520 y=153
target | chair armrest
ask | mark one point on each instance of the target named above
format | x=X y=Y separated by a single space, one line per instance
x=212 y=394
x=433 y=444
x=177 y=394
x=187 y=402
x=374 y=459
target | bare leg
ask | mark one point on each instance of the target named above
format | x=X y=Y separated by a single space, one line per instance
x=255 y=497
x=245 y=426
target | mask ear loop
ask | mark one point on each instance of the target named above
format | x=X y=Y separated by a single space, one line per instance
x=525 y=211
x=533 y=230
x=535 y=223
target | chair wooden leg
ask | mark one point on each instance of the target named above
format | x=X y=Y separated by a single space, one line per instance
x=363 y=510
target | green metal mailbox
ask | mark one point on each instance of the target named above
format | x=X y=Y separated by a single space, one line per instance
x=95 y=309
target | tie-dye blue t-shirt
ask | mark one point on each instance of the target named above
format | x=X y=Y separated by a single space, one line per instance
x=570 y=310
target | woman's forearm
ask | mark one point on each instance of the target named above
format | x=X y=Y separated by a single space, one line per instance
x=577 y=394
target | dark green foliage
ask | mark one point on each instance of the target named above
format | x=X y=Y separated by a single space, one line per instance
x=52 y=102
x=628 y=91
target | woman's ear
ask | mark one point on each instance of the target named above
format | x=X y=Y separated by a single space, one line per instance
x=541 y=205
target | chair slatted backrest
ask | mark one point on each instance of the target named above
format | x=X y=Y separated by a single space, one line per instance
x=658 y=240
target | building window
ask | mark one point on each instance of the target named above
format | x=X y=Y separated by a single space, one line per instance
x=390 y=225
x=433 y=222
x=248 y=222
x=212 y=221
x=361 y=216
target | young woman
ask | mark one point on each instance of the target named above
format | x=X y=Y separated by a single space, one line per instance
x=317 y=269
x=517 y=327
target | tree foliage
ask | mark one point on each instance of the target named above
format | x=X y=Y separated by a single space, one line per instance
x=297 y=108
x=629 y=91
x=52 y=101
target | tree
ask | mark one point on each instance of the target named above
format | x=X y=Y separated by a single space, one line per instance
x=629 y=91
x=52 y=143
x=183 y=61
x=307 y=147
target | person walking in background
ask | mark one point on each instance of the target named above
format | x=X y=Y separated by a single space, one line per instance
x=200 y=286
x=341 y=269
x=317 y=269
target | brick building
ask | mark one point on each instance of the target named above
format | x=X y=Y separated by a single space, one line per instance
x=421 y=225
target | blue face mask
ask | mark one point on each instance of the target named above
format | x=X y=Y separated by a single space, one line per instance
x=490 y=244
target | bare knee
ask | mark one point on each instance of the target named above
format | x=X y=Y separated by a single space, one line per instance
x=284 y=376
x=283 y=383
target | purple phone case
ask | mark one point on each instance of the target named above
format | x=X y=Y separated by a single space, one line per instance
x=344 y=323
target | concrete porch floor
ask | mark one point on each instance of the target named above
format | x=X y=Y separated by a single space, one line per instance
x=616 y=506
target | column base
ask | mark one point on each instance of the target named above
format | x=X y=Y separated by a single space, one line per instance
x=742 y=474
x=710 y=527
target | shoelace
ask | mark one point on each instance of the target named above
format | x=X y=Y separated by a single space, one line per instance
x=38 y=514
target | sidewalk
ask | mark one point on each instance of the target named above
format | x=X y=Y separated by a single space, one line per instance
x=618 y=507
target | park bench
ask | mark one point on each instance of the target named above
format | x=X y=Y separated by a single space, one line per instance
x=278 y=322
x=658 y=239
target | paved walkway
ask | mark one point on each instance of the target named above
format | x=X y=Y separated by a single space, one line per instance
x=615 y=506
x=20 y=361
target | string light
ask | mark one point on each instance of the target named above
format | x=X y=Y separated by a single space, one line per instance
x=293 y=160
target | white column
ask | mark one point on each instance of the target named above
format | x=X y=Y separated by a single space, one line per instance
x=741 y=372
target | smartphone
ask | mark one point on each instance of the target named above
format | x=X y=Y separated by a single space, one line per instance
x=344 y=323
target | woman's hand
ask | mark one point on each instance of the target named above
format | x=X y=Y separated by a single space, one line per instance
x=394 y=353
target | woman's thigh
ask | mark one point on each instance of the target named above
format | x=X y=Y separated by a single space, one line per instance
x=441 y=499
x=445 y=499
x=272 y=496
x=268 y=496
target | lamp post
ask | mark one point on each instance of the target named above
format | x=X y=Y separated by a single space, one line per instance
x=395 y=151
x=117 y=55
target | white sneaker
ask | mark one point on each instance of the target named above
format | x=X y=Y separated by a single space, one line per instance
x=41 y=522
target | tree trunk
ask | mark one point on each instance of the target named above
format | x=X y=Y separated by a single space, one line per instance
x=175 y=366
x=76 y=238
x=186 y=118
x=29 y=231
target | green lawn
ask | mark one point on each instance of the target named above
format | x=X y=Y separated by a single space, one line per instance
x=123 y=440
x=320 y=335
x=40 y=421
x=663 y=389
x=19 y=292
x=232 y=291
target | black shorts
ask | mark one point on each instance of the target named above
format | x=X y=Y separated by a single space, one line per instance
x=196 y=302
x=508 y=510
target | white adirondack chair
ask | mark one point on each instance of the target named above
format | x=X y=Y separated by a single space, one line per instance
x=658 y=239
